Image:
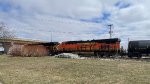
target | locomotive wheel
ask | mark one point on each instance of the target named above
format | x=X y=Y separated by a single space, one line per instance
x=96 y=54
x=139 y=56
x=130 y=55
x=101 y=55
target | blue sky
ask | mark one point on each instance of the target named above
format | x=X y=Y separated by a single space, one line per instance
x=77 y=19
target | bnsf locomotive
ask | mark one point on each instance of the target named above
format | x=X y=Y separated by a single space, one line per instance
x=102 y=47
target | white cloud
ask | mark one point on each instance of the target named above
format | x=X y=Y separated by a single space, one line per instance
x=72 y=8
x=34 y=19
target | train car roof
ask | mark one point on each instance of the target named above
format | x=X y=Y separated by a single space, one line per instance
x=139 y=40
x=49 y=43
x=98 y=40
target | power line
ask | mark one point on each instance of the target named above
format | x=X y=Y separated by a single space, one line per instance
x=63 y=32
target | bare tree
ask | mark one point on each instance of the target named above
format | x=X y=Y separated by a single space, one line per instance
x=5 y=33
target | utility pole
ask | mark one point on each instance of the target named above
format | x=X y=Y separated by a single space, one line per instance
x=51 y=37
x=110 y=32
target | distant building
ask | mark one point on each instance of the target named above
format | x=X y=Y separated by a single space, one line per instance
x=6 y=44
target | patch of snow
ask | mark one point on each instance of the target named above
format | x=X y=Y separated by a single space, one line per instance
x=69 y=55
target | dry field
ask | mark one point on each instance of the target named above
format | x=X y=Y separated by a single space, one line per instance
x=49 y=70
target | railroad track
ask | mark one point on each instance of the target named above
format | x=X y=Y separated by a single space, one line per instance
x=147 y=59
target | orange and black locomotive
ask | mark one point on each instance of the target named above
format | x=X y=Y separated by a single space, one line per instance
x=101 y=47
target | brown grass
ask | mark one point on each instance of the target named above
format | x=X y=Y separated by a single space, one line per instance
x=49 y=70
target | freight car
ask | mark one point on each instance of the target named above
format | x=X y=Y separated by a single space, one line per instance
x=102 y=47
x=138 y=48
